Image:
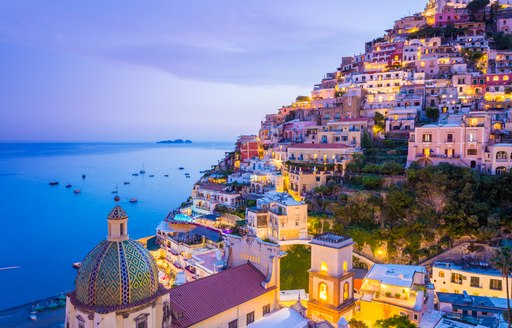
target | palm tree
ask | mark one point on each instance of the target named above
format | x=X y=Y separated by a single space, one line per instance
x=502 y=261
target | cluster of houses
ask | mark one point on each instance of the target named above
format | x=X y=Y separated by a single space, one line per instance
x=448 y=96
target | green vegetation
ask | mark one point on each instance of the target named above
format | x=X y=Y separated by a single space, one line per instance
x=477 y=5
x=422 y=214
x=380 y=121
x=502 y=41
x=432 y=114
x=302 y=98
x=397 y=321
x=294 y=268
x=357 y=324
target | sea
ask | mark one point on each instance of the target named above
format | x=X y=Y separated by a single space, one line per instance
x=44 y=228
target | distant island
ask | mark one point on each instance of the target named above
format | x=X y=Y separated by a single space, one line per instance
x=177 y=141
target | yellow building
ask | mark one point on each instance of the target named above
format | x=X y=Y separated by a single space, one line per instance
x=393 y=289
x=331 y=278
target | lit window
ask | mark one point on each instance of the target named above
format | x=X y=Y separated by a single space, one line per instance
x=441 y=274
x=322 y=291
x=496 y=78
x=345 y=266
x=323 y=267
x=505 y=78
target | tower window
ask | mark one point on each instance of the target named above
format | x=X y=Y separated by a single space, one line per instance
x=323 y=267
x=322 y=291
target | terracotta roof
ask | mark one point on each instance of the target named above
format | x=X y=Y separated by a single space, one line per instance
x=318 y=146
x=206 y=297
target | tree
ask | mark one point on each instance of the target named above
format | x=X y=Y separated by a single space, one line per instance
x=379 y=121
x=477 y=5
x=353 y=323
x=432 y=114
x=503 y=262
x=397 y=321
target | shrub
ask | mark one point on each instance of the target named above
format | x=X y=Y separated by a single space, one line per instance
x=388 y=294
x=372 y=182
x=398 y=295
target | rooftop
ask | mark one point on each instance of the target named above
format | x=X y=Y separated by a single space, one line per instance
x=461 y=300
x=482 y=269
x=332 y=240
x=286 y=317
x=318 y=146
x=395 y=274
x=206 y=297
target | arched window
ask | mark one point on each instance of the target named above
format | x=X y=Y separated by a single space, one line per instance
x=501 y=155
x=323 y=267
x=346 y=292
x=345 y=266
x=501 y=170
x=322 y=291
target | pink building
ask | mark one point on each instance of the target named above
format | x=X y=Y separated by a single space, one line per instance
x=461 y=144
x=504 y=21
x=295 y=131
x=451 y=15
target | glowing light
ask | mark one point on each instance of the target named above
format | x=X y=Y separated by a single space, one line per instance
x=323 y=267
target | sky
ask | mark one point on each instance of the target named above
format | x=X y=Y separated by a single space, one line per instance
x=136 y=70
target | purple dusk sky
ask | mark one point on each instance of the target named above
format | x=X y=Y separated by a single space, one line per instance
x=109 y=70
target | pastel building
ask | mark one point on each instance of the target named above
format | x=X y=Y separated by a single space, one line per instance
x=207 y=196
x=117 y=284
x=303 y=180
x=504 y=21
x=321 y=153
x=248 y=146
x=392 y=289
x=499 y=159
x=278 y=216
x=331 y=279
x=475 y=280
x=461 y=144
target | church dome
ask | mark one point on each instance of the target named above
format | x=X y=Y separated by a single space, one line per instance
x=119 y=271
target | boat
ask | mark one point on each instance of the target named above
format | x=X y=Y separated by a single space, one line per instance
x=33 y=317
x=187 y=176
x=69 y=185
x=181 y=168
x=166 y=175
x=133 y=200
x=77 y=191
x=83 y=176
x=135 y=174
x=142 y=171
x=126 y=183
x=114 y=191
x=151 y=175
x=53 y=183
x=77 y=265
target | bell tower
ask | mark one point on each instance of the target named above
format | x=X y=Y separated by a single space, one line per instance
x=331 y=278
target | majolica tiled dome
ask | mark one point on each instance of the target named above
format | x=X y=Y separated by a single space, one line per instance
x=116 y=273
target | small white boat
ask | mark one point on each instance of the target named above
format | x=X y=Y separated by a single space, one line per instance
x=33 y=317
x=77 y=191
x=77 y=265
x=133 y=200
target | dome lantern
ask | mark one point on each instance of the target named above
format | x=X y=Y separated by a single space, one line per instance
x=117 y=224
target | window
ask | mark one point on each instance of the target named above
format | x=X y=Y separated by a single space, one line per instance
x=475 y=282
x=457 y=278
x=121 y=230
x=323 y=266
x=346 y=293
x=501 y=155
x=472 y=152
x=501 y=170
x=266 y=309
x=322 y=291
x=345 y=266
x=449 y=137
x=233 y=324
x=141 y=321
x=495 y=284
x=250 y=317
x=441 y=274
x=427 y=137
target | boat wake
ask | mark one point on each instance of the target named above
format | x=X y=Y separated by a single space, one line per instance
x=10 y=268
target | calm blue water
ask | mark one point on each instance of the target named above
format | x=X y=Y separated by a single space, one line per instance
x=44 y=229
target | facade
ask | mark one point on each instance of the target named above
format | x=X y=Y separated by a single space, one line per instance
x=474 y=280
x=117 y=284
x=207 y=196
x=249 y=147
x=278 y=217
x=392 y=289
x=321 y=153
x=331 y=279
x=461 y=144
